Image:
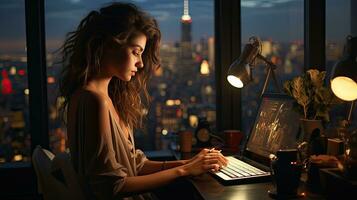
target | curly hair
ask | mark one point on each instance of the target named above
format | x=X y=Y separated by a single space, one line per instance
x=82 y=53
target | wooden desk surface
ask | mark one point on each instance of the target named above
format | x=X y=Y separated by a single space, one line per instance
x=210 y=189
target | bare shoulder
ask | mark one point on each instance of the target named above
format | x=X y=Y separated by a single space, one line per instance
x=94 y=115
x=94 y=101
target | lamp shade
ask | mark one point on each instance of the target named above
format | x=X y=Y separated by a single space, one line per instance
x=344 y=74
x=239 y=73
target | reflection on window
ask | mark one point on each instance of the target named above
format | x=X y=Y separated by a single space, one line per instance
x=182 y=90
x=338 y=27
x=279 y=24
x=14 y=124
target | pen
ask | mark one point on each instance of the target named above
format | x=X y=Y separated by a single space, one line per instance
x=219 y=151
x=209 y=151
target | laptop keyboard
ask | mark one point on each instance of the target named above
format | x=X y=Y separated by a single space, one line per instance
x=237 y=169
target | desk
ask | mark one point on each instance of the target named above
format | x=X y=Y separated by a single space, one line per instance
x=210 y=189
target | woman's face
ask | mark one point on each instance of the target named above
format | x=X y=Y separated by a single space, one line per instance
x=125 y=63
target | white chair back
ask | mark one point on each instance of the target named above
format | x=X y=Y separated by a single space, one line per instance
x=56 y=177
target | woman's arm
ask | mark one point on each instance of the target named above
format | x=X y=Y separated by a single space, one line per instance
x=147 y=182
x=196 y=166
x=107 y=177
x=155 y=166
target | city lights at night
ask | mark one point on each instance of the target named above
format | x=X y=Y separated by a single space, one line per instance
x=182 y=90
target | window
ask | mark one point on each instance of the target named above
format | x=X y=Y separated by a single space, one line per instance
x=182 y=90
x=338 y=27
x=14 y=124
x=61 y=17
x=280 y=26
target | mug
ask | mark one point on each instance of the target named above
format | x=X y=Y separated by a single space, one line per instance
x=232 y=139
x=286 y=173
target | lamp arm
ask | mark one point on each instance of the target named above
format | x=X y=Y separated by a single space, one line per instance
x=275 y=80
x=268 y=62
x=271 y=69
x=266 y=82
x=350 y=111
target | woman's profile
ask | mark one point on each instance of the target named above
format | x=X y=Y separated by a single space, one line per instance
x=107 y=62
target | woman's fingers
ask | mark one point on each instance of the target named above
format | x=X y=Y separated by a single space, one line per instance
x=207 y=160
x=223 y=157
x=208 y=151
x=211 y=161
x=223 y=161
x=218 y=153
x=204 y=151
x=214 y=167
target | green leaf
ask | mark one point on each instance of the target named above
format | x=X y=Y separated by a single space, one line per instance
x=313 y=98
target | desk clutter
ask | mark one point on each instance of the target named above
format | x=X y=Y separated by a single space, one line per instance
x=286 y=169
x=275 y=131
x=203 y=137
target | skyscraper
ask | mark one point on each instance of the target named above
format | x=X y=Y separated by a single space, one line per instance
x=186 y=38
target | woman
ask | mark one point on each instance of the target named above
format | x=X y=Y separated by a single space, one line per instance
x=107 y=63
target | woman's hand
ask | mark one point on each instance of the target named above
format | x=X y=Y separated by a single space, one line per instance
x=207 y=159
x=202 y=152
x=214 y=154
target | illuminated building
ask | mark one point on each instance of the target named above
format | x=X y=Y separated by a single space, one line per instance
x=186 y=38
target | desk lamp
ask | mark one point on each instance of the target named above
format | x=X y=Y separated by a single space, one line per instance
x=344 y=86
x=240 y=71
x=344 y=74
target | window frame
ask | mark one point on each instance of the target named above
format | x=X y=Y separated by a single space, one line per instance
x=314 y=34
x=227 y=45
x=37 y=75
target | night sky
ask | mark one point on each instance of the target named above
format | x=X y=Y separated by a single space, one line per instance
x=280 y=20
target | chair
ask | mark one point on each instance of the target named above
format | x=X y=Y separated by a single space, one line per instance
x=56 y=177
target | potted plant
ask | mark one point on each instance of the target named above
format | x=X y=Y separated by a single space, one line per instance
x=313 y=99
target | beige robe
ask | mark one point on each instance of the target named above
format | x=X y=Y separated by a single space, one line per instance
x=102 y=163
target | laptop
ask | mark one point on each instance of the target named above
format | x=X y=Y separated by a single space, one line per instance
x=276 y=127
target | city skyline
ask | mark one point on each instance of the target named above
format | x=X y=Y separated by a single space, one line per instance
x=181 y=92
x=259 y=17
